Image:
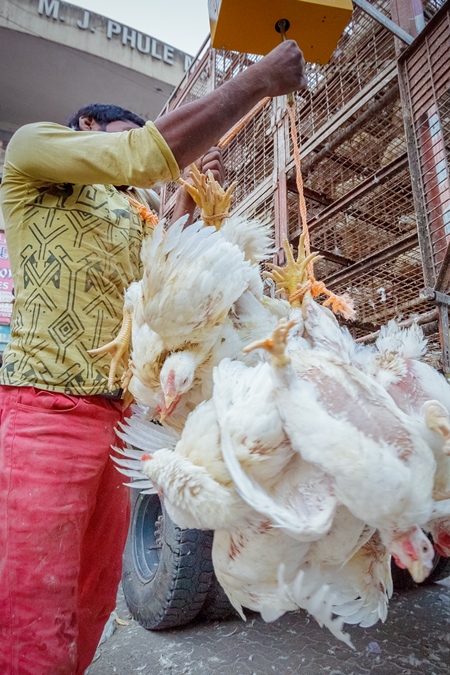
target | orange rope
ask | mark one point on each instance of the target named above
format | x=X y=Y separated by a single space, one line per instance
x=145 y=213
x=338 y=303
x=237 y=127
x=299 y=181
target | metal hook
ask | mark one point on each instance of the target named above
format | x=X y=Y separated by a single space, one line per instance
x=282 y=26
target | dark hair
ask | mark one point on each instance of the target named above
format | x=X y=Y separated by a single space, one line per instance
x=103 y=114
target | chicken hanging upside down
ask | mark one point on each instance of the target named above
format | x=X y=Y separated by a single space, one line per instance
x=182 y=318
x=273 y=507
x=297 y=449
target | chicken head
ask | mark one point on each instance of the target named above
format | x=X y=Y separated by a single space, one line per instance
x=176 y=378
x=411 y=550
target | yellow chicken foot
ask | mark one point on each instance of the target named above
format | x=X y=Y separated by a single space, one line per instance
x=213 y=201
x=300 y=293
x=118 y=348
x=294 y=275
x=437 y=419
x=127 y=375
x=276 y=344
x=439 y=496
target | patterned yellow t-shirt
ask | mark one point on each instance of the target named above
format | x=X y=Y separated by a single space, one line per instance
x=74 y=246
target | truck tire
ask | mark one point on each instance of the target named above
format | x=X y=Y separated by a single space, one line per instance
x=217 y=607
x=167 y=571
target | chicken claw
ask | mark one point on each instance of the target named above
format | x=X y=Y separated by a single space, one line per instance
x=209 y=196
x=119 y=348
x=127 y=375
x=276 y=344
x=439 y=496
x=437 y=419
x=293 y=278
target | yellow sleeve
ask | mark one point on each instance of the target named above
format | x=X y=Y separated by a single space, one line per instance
x=56 y=154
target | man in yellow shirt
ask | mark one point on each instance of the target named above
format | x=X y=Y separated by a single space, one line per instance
x=74 y=242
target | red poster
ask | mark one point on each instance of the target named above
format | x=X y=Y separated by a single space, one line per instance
x=6 y=283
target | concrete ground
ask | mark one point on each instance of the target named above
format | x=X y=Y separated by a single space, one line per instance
x=414 y=639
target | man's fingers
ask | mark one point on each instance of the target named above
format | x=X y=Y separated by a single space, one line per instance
x=213 y=153
x=284 y=69
x=212 y=161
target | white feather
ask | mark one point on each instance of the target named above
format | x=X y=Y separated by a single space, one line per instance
x=407 y=342
x=174 y=308
x=252 y=236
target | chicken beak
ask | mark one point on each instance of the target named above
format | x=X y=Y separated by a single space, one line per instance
x=418 y=571
x=169 y=400
x=170 y=403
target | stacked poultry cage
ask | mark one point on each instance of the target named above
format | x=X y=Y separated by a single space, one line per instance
x=358 y=168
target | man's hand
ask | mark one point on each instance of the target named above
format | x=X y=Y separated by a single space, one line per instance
x=213 y=161
x=282 y=70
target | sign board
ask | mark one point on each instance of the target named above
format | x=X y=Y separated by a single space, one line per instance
x=6 y=283
x=58 y=11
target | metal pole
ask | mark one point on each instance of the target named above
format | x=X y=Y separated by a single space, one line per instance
x=444 y=337
x=384 y=21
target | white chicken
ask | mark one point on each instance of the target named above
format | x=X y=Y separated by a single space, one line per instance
x=248 y=318
x=198 y=492
x=180 y=306
x=417 y=388
x=346 y=424
x=300 y=499
x=247 y=562
x=307 y=470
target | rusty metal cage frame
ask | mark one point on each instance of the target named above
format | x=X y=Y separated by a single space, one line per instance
x=424 y=77
x=358 y=183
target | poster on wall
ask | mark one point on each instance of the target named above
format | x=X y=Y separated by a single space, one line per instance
x=6 y=292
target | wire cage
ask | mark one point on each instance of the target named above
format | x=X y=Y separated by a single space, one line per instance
x=360 y=190
x=424 y=74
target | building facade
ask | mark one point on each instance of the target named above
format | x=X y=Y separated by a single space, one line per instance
x=56 y=58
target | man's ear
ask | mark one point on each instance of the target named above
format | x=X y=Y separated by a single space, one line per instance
x=87 y=123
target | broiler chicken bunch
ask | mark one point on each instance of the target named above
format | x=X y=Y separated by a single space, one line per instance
x=200 y=299
x=313 y=459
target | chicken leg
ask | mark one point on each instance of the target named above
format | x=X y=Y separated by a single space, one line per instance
x=276 y=344
x=437 y=419
x=213 y=201
x=293 y=279
x=119 y=348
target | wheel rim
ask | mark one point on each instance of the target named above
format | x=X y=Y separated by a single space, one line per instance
x=147 y=540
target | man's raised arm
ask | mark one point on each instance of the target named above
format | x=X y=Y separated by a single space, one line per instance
x=193 y=128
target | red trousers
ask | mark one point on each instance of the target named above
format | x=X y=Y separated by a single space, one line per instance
x=63 y=524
